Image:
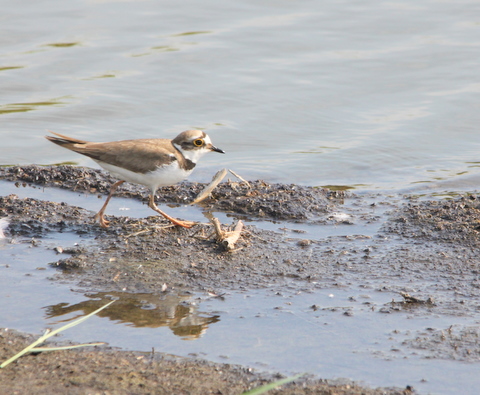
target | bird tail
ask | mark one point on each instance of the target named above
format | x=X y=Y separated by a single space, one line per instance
x=64 y=141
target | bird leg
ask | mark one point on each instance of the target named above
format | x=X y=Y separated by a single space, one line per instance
x=99 y=216
x=153 y=206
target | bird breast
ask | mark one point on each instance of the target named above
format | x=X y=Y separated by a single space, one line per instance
x=162 y=176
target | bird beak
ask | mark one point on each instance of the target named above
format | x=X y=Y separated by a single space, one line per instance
x=213 y=148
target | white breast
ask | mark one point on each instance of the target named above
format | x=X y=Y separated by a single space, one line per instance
x=162 y=176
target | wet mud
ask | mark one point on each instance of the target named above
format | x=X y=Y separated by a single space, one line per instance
x=426 y=251
x=253 y=199
x=109 y=371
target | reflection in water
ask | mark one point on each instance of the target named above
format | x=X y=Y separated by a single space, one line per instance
x=159 y=48
x=191 y=33
x=172 y=47
x=25 y=107
x=143 y=310
x=10 y=68
x=317 y=150
x=341 y=187
x=63 y=45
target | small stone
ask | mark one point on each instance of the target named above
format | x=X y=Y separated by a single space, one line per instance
x=304 y=243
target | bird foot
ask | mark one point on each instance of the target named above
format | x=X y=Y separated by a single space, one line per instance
x=177 y=222
x=183 y=224
x=101 y=220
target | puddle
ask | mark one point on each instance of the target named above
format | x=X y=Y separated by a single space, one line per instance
x=177 y=312
x=118 y=206
x=28 y=283
x=335 y=333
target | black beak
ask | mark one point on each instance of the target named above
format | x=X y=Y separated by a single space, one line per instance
x=213 y=148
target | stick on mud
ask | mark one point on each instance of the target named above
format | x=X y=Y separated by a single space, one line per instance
x=227 y=239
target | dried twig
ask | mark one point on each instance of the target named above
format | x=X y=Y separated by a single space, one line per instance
x=232 y=237
x=227 y=239
x=218 y=228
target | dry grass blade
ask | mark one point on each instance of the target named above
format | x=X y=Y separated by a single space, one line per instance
x=240 y=178
x=217 y=179
x=48 y=334
x=43 y=349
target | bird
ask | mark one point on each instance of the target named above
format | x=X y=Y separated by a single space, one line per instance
x=150 y=162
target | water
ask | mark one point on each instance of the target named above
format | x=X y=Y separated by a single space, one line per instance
x=366 y=95
x=270 y=332
x=371 y=95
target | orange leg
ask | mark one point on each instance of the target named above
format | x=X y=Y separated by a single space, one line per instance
x=99 y=216
x=153 y=206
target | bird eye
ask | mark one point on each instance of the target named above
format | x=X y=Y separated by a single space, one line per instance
x=198 y=142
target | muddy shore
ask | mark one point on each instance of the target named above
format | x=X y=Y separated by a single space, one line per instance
x=107 y=370
x=438 y=240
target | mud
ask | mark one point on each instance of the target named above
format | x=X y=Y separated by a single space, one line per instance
x=416 y=243
x=253 y=199
x=146 y=250
x=109 y=371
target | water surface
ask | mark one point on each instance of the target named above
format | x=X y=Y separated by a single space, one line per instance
x=372 y=95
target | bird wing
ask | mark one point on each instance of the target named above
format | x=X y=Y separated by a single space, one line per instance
x=140 y=156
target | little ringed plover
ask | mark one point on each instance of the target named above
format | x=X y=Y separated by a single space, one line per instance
x=150 y=162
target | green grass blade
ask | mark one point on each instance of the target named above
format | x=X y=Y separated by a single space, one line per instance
x=267 y=387
x=25 y=350
x=44 y=349
x=52 y=333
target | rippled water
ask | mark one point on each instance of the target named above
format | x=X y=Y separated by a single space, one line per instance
x=368 y=95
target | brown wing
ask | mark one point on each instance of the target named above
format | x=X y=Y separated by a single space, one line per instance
x=135 y=155
x=141 y=155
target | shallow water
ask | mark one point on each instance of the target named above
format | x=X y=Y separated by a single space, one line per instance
x=377 y=95
x=370 y=96
x=271 y=331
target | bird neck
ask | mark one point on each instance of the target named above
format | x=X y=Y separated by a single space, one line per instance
x=191 y=156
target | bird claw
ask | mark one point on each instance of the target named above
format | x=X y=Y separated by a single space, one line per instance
x=183 y=224
x=101 y=220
